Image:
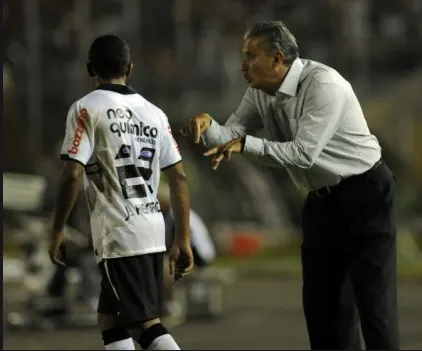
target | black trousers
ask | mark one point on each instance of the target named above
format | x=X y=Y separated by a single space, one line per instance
x=349 y=264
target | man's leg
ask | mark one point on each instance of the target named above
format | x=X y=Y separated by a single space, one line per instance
x=115 y=336
x=374 y=270
x=328 y=302
x=152 y=335
x=375 y=286
x=138 y=284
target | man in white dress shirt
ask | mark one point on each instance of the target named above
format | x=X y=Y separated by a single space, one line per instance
x=315 y=129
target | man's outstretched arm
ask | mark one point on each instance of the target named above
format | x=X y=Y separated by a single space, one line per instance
x=246 y=120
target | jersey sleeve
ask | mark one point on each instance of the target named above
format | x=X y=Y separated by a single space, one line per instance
x=169 y=150
x=78 y=144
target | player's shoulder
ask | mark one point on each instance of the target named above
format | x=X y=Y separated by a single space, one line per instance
x=90 y=101
x=151 y=107
x=94 y=99
x=155 y=112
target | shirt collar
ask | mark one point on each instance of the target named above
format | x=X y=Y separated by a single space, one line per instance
x=291 y=81
x=117 y=88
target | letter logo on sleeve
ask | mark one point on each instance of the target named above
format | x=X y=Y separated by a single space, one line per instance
x=83 y=114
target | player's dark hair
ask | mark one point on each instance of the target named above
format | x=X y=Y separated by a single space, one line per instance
x=276 y=38
x=109 y=56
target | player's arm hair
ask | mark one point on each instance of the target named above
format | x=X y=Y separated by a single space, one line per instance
x=180 y=204
x=69 y=185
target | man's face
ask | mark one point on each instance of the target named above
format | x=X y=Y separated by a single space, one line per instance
x=258 y=69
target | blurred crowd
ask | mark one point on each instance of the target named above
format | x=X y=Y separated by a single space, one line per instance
x=187 y=55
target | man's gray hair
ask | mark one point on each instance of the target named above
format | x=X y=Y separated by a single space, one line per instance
x=276 y=38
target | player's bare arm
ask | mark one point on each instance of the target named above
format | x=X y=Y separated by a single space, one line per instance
x=181 y=258
x=69 y=185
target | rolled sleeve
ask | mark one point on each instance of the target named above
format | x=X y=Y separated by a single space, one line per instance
x=324 y=109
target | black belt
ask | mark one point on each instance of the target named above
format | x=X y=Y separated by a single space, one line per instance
x=327 y=190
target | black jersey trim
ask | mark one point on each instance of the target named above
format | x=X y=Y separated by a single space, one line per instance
x=117 y=88
x=174 y=164
x=65 y=157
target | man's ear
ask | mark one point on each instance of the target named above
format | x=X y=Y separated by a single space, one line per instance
x=129 y=69
x=278 y=59
x=90 y=69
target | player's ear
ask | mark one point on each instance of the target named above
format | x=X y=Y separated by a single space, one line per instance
x=129 y=69
x=91 y=70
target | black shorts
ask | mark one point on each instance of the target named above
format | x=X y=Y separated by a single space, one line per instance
x=132 y=287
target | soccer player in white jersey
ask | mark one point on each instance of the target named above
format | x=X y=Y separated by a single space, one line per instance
x=118 y=142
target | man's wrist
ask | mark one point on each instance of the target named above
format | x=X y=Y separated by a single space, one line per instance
x=185 y=240
x=253 y=146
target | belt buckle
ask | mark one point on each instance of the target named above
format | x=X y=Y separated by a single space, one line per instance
x=322 y=192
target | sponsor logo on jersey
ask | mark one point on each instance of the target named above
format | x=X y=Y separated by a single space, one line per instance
x=83 y=114
x=147 y=208
x=144 y=133
x=146 y=154
x=124 y=152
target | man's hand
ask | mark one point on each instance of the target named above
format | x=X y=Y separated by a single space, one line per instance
x=56 y=249
x=181 y=260
x=197 y=126
x=225 y=151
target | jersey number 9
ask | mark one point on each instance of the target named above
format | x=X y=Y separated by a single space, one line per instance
x=133 y=171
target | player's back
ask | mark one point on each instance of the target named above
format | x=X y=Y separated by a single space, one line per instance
x=124 y=141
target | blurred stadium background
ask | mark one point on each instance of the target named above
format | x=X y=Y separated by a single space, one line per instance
x=187 y=56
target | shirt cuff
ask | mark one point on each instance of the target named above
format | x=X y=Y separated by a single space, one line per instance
x=253 y=146
x=212 y=132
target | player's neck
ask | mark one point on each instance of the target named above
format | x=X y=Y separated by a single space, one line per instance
x=118 y=81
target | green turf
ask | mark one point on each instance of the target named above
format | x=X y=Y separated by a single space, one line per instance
x=287 y=261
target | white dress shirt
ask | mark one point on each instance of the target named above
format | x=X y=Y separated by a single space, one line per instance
x=314 y=127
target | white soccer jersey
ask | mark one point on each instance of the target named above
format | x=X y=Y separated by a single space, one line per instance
x=124 y=141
